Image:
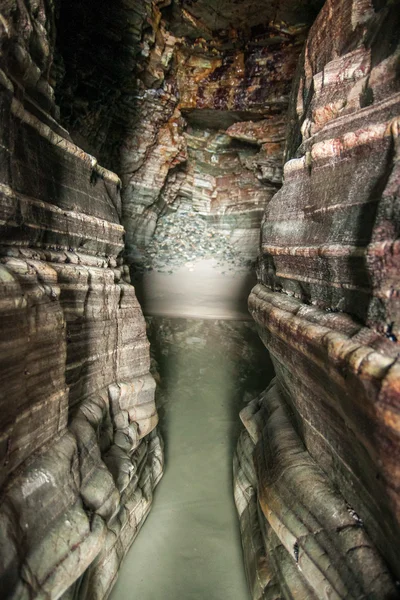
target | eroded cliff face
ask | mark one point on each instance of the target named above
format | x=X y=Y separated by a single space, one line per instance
x=79 y=453
x=193 y=109
x=327 y=308
x=192 y=113
x=232 y=136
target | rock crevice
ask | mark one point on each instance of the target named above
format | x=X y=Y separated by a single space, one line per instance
x=211 y=124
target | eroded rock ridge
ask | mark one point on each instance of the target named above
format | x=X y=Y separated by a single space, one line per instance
x=80 y=455
x=211 y=121
x=317 y=468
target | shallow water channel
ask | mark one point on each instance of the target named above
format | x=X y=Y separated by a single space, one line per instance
x=189 y=547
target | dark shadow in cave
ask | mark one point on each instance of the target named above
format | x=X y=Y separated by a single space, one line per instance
x=95 y=60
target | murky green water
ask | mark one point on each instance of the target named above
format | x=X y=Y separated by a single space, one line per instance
x=189 y=547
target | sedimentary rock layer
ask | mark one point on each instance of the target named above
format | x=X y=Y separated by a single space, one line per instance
x=79 y=453
x=337 y=378
x=253 y=77
x=120 y=103
x=326 y=306
x=314 y=543
x=232 y=93
x=330 y=237
x=165 y=101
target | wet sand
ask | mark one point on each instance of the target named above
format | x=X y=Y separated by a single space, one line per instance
x=190 y=548
x=202 y=289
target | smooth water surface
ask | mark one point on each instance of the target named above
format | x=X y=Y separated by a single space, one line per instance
x=190 y=548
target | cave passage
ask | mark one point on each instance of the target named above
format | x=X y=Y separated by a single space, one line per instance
x=220 y=179
x=190 y=544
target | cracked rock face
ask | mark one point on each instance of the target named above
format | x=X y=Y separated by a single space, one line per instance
x=80 y=455
x=203 y=17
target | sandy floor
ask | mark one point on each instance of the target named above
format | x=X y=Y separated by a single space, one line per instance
x=189 y=547
x=202 y=289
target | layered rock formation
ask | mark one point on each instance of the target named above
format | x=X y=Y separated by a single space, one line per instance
x=80 y=456
x=121 y=103
x=235 y=131
x=189 y=105
x=188 y=110
x=326 y=305
x=302 y=539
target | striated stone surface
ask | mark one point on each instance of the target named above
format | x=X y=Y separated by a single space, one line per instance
x=167 y=101
x=254 y=78
x=337 y=378
x=219 y=155
x=232 y=169
x=148 y=157
x=187 y=102
x=98 y=48
x=120 y=103
x=330 y=236
x=326 y=306
x=314 y=543
x=80 y=455
x=217 y=209
x=169 y=84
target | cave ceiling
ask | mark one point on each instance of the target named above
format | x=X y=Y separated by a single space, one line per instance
x=206 y=18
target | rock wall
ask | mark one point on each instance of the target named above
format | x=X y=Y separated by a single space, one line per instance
x=327 y=308
x=221 y=162
x=80 y=455
x=301 y=538
x=119 y=101
x=186 y=113
x=187 y=103
x=233 y=93
x=157 y=102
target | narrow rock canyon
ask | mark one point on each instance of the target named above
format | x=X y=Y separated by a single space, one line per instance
x=200 y=267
